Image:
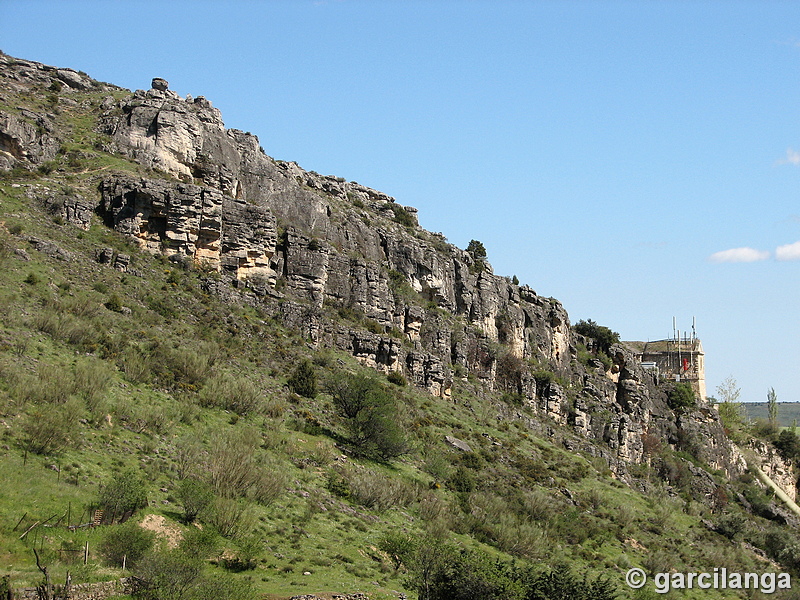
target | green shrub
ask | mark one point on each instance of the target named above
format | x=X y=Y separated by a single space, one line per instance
x=402 y=216
x=201 y=543
x=761 y=428
x=561 y=582
x=91 y=381
x=189 y=366
x=370 y=415
x=127 y=542
x=730 y=525
x=169 y=576
x=304 y=380
x=6 y=248
x=543 y=377
x=680 y=396
x=400 y=286
x=462 y=480
x=375 y=490
x=396 y=377
x=114 y=303
x=236 y=467
x=52 y=384
x=338 y=484
x=136 y=365
x=441 y=571
x=604 y=337
x=123 y=495
x=49 y=430
x=194 y=495
x=270 y=483
x=225 y=588
x=237 y=394
x=400 y=546
x=229 y=516
x=788 y=445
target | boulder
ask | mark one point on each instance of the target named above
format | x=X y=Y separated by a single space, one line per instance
x=457 y=443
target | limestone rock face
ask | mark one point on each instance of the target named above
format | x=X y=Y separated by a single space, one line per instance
x=22 y=74
x=777 y=469
x=194 y=222
x=27 y=137
x=187 y=139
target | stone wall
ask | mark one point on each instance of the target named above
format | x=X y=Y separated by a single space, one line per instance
x=85 y=591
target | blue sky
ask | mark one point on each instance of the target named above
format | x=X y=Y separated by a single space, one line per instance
x=638 y=161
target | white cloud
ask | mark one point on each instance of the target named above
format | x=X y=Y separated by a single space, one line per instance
x=792 y=158
x=737 y=255
x=788 y=252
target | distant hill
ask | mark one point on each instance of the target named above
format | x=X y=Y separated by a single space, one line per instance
x=788 y=412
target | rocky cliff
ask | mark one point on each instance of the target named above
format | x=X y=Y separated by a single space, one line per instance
x=351 y=268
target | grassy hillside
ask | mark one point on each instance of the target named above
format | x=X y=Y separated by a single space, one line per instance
x=122 y=384
x=788 y=412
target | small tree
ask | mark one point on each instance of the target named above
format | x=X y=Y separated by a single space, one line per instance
x=788 y=445
x=370 y=415
x=510 y=370
x=772 y=406
x=477 y=250
x=478 y=253
x=604 y=337
x=126 y=543
x=195 y=496
x=304 y=380
x=728 y=390
x=730 y=409
x=123 y=495
x=680 y=396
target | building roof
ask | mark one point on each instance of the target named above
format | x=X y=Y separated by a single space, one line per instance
x=664 y=346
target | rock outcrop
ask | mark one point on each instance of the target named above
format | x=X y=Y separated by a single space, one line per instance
x=776 y=468
x=28 y=137
x=192 y=222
